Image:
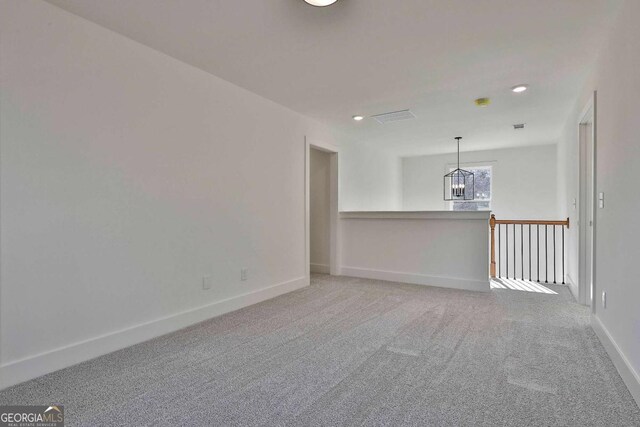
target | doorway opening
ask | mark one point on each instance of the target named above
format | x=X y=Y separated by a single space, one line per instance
x=321 y=213
x=586 y=238
x=319 y=210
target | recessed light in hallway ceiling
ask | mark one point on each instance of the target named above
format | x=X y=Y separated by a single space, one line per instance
x=321 y=3
x=520 y=88
x=358 y=118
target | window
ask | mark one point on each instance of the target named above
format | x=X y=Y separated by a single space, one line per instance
x=482 y=184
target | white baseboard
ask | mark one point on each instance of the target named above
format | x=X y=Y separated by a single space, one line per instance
x=320 y=268
x=34 y=366
x=620 y=361
x=419 y=279
x=573 y=287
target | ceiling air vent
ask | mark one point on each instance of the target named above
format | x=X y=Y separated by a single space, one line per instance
x=519 y=126
x=394 y=116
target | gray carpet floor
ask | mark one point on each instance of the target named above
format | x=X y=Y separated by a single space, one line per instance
x=348 y=351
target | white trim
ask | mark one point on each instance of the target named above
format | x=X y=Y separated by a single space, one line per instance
x=307 y=208
x=586 y=287
x=594 y=165
x=320 y=268
x=418 y=279
x=573 y=287
x=34 y=366
x=455 y=215
x=334 y=225
x=322 y=146
x=480 y=163
x=620 y=361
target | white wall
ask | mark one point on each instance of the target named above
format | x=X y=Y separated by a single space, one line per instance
x=617 y=81
x=370 y=180
x=523 y=186
x=127 y=176
x=319 y=215
x=418 y=247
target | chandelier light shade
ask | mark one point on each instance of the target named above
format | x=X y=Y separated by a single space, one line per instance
x=459 y=184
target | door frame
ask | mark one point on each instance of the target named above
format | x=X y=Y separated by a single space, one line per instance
x=587 y=206
x=334 y=245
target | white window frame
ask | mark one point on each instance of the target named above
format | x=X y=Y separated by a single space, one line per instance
x=474 y=165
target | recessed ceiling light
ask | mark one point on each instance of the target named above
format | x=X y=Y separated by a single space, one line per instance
x=358 y=118
x=519 y=88
x=321 y=3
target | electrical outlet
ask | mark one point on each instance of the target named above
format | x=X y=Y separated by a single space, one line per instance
x=604 y=299
x=244 y=274
x=601 y=200
x=206 y=282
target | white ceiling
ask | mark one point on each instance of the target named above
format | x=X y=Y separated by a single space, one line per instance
x=374 y=56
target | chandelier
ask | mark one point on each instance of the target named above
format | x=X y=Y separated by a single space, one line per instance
x=459 y=184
